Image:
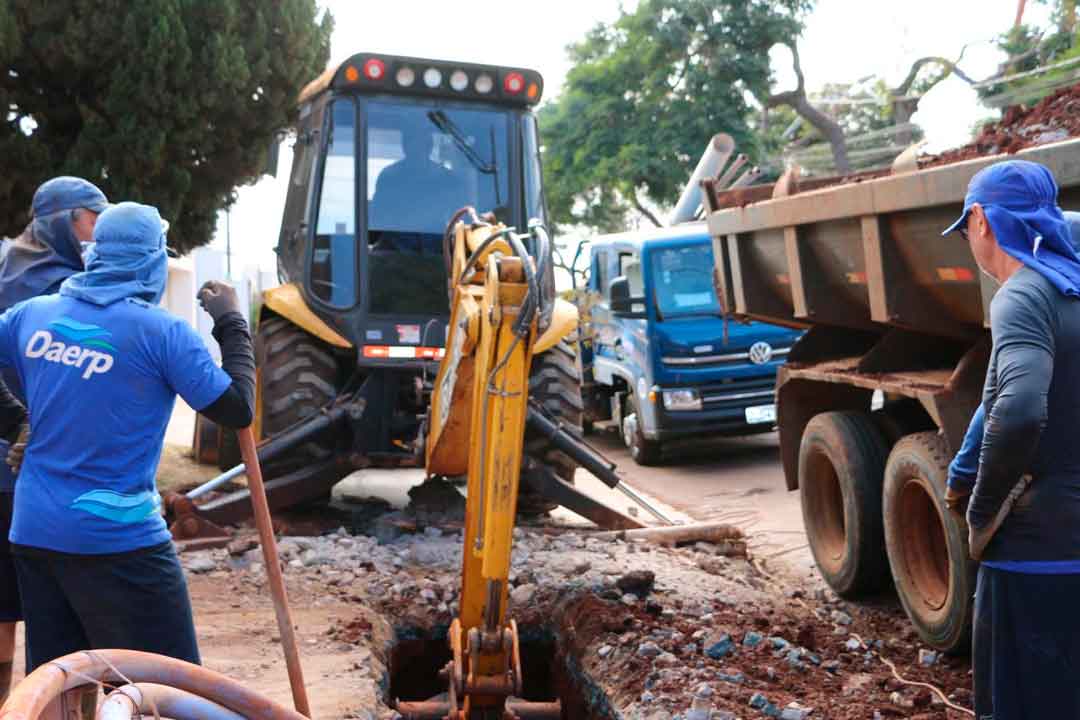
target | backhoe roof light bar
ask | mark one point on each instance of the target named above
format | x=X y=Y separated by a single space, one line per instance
x=418 y=76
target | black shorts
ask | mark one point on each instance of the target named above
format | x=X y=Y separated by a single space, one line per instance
x=132 y=601
x=10 y=607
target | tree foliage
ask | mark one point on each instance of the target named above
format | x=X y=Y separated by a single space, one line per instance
x=1038 y=59
x=168 y=102
x=647 y=92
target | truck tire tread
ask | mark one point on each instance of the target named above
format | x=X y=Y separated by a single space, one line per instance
x=927 y=544
x=841 y=462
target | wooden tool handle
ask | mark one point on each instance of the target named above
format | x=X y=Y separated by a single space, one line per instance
x=273 y=570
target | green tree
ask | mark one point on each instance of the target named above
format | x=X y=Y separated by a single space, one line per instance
x=1038 y=59
x=168 y=102
x=644 y=96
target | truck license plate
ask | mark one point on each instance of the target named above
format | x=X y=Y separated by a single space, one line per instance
x=761 y=414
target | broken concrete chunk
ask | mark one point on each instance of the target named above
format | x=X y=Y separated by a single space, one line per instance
x=649 y=649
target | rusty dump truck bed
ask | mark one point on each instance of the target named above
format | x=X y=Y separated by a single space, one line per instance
x=893 y=305
x=895 y=313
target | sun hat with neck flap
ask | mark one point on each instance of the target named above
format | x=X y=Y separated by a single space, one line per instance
x=128 y=260
x=1019 y=199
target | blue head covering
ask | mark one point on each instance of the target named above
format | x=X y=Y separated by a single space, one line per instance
x=1020 y=202
x=128 y=259
x=47 y=252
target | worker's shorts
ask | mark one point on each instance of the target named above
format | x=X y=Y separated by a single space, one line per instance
x=10 y=609
x=1026 y=646
x=132 y=601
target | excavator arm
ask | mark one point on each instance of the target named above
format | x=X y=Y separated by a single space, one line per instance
x=477 y=425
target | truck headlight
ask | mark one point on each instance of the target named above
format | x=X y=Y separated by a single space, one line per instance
x=681 y=400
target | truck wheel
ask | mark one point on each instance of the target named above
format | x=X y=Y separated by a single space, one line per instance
x=841 y=459
x=642 y=450
x=554 y=383
x=298 y=375
x=927 y=544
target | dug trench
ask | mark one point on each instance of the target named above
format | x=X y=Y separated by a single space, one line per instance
x=550 y=661
x=614 y=629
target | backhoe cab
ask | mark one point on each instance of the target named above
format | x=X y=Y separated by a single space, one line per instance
x=387 y=150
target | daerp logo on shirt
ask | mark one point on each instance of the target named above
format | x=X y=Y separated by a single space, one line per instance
x=85 y=348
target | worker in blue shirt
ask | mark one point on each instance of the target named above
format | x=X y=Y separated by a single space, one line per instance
x=1023 y=509
x=49 y=250
x=101 y=366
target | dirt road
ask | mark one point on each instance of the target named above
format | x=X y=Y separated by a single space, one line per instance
x=733 y=480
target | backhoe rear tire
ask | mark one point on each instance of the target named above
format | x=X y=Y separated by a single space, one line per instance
x=298 y=375
x=927 y=543
x=841 y=461
x=555 y=384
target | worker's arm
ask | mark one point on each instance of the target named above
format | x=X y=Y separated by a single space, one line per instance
x=1022 y=324
x=12 y=412
x=235 y=408
x=964 y=468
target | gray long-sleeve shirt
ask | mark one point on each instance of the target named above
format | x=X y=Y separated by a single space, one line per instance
x=1032 y=402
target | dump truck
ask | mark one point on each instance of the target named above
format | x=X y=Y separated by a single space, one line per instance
x=387 y=149
x=873 y=401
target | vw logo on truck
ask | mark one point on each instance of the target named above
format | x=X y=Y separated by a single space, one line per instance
x=760 y=353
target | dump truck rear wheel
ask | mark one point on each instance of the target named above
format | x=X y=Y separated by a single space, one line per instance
x=554 y=383
x=841 y=460
x=927 y=544
x=298 y=375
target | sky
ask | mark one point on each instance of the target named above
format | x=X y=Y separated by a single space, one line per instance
x=844 y=41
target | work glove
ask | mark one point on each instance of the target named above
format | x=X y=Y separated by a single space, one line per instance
x=17 y=450
x=219 y=299
x=957 y=500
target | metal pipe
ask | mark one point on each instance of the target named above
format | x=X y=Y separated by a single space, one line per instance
x=587 y=457
x=655 y=512
x=151 y=698
x=712 y=161
x=37 y=691
x=277 y=445
x=273 y=570
x=724 y=180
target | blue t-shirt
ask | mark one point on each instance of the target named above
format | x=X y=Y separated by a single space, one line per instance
x=100 y=384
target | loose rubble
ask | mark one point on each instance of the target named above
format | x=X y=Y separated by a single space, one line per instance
x=644 y=631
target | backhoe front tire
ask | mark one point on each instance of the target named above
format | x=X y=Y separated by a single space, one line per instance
x=298 y=375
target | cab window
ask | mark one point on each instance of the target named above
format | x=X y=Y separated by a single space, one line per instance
x=333 y=259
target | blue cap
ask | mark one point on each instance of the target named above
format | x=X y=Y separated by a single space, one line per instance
x=1018 y=186
x=68 y=193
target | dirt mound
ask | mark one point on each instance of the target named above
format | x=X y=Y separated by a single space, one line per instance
x=1055 y=117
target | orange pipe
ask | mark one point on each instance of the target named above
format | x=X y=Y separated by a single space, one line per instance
x=33 y=695
x=273 y=570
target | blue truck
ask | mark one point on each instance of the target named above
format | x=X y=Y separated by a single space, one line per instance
x=660 y=363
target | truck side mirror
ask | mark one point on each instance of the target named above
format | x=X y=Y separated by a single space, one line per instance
x=619 y=292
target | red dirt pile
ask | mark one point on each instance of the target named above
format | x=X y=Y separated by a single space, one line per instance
x=1055 y=117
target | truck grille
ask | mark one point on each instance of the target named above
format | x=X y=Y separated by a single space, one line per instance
x=747 y=391
x=725 y=359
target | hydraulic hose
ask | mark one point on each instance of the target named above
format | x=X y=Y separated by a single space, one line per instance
x=33 y=695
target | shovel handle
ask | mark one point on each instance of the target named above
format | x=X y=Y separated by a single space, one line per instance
x=273 y=570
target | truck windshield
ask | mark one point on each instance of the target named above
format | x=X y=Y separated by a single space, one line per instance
x=682 y=280
x=424 y=162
